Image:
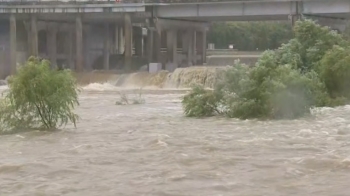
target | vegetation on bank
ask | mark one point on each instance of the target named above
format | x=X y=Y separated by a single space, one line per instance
x=38 y=98
x=248 y=36
x=311 y=70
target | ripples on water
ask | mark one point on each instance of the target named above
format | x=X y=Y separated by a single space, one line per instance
x=152 y=149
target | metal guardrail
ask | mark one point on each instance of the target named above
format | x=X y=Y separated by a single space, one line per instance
x=34 y=2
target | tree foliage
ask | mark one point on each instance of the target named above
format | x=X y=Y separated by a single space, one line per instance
x=39 y=97
x=200 y=103
x=311 y=70
x=250 y=35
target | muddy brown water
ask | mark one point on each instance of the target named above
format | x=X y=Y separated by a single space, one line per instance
x=152 y=149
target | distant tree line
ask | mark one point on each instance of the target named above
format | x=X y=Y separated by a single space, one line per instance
x=250 y=35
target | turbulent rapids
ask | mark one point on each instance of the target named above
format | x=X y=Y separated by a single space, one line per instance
x=180 y=78
x=151 y=149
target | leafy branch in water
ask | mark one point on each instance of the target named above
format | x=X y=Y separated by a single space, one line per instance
x=39 y=97
x=126 y=100
x=311 y=70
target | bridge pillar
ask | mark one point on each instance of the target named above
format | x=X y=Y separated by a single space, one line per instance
x=171 y=50
x=79 y=44
x=201 y=42
x=138 y=41
x=157 y=45
x=13 y=44
x=149 y=46
x=34 y=36
x=128 y=42
x=52 y=44
x=106 y=47
x=69 y=48
x=188 y=41
x=115 y=45
x=121 y=42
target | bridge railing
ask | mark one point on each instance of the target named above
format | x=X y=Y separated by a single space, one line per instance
x=33 y=2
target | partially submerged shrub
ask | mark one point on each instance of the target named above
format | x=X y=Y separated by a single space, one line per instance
x=39 y=97
x=200 y=102
x=126 y=100
x=263 y=92
x=311 y=70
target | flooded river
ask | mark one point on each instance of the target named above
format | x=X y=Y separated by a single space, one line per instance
x=153 y=150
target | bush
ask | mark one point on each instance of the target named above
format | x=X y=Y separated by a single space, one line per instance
x=282 y=92
x=335 y=71
x=200 y=102
x=311 y=70
x=39 y=97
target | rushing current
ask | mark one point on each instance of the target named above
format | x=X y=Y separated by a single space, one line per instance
x=152 y=149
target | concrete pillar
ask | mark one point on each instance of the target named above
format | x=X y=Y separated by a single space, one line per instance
x=34 y=36
x=121 y=40
x=29 y=40
x=79 y=44
x=52 y=44
x=188 y=46
x=201 y=39
x=116 y=39
x=106 y=47
x=13 y=44
x=171 y=64
x=172 y=46
x=69 y=40
x=138 y=41
x=149 y=46
x=157 y=45
x=128 y=41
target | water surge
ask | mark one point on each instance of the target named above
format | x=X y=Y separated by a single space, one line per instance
x=181 y=78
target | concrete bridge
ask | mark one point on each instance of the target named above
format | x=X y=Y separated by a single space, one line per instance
x=76 y=32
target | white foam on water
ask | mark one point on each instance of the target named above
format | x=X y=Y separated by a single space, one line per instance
x=4 y=87
x=100 y=87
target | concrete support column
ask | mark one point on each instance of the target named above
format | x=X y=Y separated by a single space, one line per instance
x=116 y=39
x=34 y=36
x=106 y=47
x=149 y=46
x=201 y=39
x=79 y=44
x=69 y=40
x=29 y=41
x=188 y=46
x=171 y=64
x=172 y=46
x=128 y=41
x=13 y=44
x=138 y=41
x=52 y=44
x=121 y=42
x=157 y=45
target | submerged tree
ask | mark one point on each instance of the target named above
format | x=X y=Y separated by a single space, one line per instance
x=39 y=97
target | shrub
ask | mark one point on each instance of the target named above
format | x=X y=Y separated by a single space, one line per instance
x=311 y=70
x=335 y=71
x=39 y=97
x=263 y=92
x=200 y=102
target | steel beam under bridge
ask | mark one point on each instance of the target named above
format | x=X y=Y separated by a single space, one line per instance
x=252 y=10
